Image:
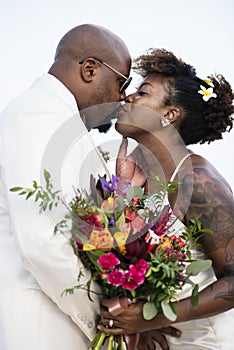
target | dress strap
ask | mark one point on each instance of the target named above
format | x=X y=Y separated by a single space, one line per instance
x=178 y=167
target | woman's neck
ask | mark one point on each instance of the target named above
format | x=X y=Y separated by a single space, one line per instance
x=162 y=154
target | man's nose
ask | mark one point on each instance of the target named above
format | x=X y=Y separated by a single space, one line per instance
x=123 y=96
x=129 y=98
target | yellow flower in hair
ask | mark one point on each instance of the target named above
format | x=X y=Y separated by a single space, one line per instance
x=207 y=93
x=208 y=82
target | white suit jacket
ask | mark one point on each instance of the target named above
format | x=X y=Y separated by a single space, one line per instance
x=42 y=129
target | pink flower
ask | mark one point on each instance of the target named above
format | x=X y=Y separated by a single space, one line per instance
x=115 y=277
x=142 y=265
x=108 y=261
x=135 y=276
x=129 y=282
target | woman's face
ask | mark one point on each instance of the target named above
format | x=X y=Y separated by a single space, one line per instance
x=144 y=108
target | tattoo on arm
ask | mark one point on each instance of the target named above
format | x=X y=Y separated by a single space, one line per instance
x=229 y=294
x=212 y=202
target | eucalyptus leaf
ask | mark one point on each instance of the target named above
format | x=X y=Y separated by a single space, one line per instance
x=168 y=311
x=198 y=266
x=133 y=191
x=149 y=310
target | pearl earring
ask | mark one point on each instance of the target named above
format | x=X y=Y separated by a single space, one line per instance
x=164 y=122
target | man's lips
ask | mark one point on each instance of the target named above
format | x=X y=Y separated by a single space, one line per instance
x=123 y=108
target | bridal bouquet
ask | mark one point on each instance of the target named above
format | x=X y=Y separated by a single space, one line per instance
x=126 y=239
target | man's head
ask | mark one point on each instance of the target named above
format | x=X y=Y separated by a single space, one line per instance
x=93 y=63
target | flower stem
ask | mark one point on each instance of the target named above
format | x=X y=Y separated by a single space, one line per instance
x=97 y=342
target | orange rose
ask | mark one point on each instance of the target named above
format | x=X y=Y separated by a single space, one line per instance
x=102 y=240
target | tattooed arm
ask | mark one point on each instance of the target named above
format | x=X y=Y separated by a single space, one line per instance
x=212 y=202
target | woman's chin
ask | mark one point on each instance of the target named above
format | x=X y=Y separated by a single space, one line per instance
x=121 y=128
x=128 y=130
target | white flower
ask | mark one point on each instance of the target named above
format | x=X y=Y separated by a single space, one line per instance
x=155 y=239
x=207 y=93
x=208 y=82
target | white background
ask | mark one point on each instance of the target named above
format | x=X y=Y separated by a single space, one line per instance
x=198 y=31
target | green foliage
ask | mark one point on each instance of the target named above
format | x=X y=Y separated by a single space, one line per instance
x=47 y=198
x=149 y=310
x=195 y=267
x=133 y=191
x=195 y=296
x=168 y=310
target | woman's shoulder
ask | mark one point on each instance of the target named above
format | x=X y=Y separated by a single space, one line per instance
x=205 y=172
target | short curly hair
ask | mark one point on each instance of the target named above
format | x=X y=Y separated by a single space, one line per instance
x=203 y=121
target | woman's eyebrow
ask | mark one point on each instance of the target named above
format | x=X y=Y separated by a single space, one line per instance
x=145 y=83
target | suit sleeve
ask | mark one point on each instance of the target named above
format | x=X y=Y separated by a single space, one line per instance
x=48 y=257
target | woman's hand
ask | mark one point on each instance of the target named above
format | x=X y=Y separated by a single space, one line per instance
x=128 y=167
x=130 y=321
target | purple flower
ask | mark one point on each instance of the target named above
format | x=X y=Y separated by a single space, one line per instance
x=108 y=261
x=112 y=222
x=109 y=185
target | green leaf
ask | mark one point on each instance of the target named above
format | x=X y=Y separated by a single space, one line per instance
x=195 y=296
x=46 y=175
x=198 y=266
x=133 y=191
x=15 y=189
x=168 y=311
x=35 y=185
x=121 y=220
x=149 y=310
x=30 y=194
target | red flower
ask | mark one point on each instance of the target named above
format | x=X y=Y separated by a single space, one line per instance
x=93 y=220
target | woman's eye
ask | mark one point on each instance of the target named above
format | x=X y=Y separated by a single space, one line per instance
x=141 y=93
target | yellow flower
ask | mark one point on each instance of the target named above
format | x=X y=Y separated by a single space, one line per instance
x=166 y=243
x=207 y=93
x=87 y=246
x=108 y=205
x=121 y=238
x=208 y=82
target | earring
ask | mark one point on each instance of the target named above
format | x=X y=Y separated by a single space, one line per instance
x=164 y=122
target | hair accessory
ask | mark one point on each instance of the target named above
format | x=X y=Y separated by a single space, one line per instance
x=208 y=82
x=164 y=122
x=207 y=93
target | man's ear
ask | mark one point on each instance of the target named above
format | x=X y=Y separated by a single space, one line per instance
x=173 y=114
x=88 y=69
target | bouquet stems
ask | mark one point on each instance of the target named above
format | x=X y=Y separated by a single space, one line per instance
x=115 y=342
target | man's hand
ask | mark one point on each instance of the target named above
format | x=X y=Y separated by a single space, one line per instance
x=148 y=339
x=128 y=167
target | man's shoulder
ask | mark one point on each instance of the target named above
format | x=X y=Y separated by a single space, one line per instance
x=46 y=94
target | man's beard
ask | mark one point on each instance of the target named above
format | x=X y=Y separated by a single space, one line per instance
x=104 y=128
x=114 y=115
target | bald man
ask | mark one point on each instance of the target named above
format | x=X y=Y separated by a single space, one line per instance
x=38 y=130
x=47 y=128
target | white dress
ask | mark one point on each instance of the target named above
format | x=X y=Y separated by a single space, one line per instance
x=210 y=333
